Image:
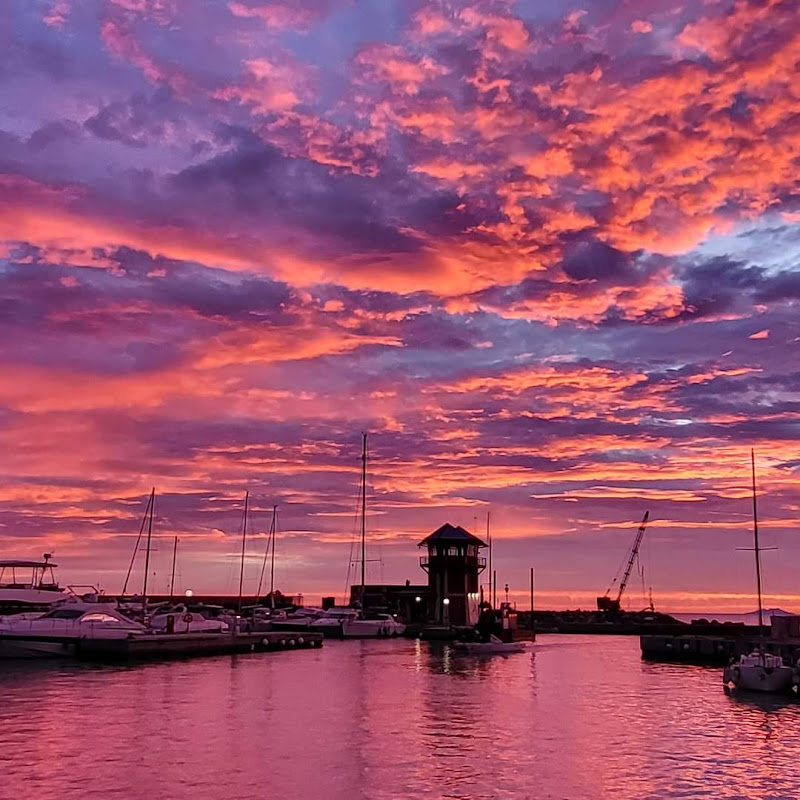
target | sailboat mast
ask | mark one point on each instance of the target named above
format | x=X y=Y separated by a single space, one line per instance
x=174 y=558
x=363 y=517
x=147 y=552
x=136 y=546
x=757 y=551
x=272 y=564
x=489 y=542
x=244 y=537
x=270 y=544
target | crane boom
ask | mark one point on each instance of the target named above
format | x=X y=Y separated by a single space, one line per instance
x=634 y=552
x=606 y=603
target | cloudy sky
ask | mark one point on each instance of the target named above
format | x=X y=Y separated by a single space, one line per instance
x=545 y=253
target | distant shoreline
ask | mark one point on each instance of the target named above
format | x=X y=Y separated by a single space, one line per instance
x=748 y=618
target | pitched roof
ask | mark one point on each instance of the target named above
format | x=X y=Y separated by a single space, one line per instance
x=452 y=533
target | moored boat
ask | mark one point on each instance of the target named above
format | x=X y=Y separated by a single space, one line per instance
x=759 y=672
x=357 y=621
x=28 y=586
x=332 y=621
x=493 y=647
x=376 y=626
x=60 y=631
x=179 y=619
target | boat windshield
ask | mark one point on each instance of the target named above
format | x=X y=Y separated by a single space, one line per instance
x=64 y=613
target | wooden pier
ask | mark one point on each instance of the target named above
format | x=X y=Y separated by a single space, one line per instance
x=189 y=645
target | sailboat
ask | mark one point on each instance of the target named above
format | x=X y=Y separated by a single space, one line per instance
x=361 y=625
x=758 y=671
x=160 y=617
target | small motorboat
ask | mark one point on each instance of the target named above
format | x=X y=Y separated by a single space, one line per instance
x=494 y=647
x=759 y=672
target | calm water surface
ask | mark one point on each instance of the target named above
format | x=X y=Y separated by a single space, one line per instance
x=579 y=717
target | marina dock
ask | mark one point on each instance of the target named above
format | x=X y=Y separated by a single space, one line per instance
x=698 y=649
x=189 y=645
x=717 y=644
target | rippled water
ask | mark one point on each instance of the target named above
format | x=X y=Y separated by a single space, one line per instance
x=579 y=717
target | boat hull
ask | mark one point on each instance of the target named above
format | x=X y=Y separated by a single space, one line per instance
x=755 y=678
x=329 y=631
x=371 y=629
x=31 y=647
x=489 y=648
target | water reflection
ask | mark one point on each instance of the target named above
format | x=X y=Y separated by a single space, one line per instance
x=579 y=717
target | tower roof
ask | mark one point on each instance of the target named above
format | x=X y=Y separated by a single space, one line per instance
x=452 y=533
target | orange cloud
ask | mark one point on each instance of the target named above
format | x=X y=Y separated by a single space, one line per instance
x=403 y=72
x=705 y=377
x=269 y=87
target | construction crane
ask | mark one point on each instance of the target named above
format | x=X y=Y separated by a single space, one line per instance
x=608 y=603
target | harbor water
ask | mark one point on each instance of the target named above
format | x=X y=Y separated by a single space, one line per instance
x=578 y=717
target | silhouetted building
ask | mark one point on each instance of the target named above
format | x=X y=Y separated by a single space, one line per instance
x=453 y=564
x=784 y=627
x=408 y=601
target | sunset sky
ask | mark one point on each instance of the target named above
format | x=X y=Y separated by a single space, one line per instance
x=545 y=253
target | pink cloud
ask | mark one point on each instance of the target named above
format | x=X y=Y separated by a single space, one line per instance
x=57 y=14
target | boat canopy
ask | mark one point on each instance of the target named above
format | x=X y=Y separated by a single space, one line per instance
x=29 y=564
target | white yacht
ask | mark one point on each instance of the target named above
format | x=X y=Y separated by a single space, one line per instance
x=178 y=619
x=332 y=622
x=28 y=586
x=59 y=631
x=298 y=620
x=375 y=626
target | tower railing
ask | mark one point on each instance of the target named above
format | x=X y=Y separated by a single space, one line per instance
x=424 y=561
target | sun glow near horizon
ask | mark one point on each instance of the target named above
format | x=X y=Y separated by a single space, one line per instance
x=545 y=257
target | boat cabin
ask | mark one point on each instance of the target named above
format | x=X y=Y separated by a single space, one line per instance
x=29 y=575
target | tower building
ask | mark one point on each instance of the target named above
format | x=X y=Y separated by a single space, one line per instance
x=453 y=563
